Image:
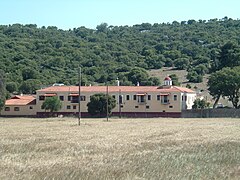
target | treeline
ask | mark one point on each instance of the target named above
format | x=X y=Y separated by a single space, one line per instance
x=32 y=56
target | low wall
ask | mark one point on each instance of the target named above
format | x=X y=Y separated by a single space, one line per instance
x=147 y=114
x=122 y=114
x=211 y=113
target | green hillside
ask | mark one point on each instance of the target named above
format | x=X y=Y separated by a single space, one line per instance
x=33 y=56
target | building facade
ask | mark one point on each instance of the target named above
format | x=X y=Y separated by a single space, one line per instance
x=20 y=106
x=132 y=101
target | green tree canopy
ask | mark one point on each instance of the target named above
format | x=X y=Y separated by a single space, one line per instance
x=98 y=104
x=138 y=75
x=226 y=83
x=174 y=78
x=30 y=86
x=52 y=104
x=181 y=63
x=2 y=89
x=229 y=55
x=29 y=73
x=200 y=104
x=11 y=87
x=52 y=55
x=194 y=77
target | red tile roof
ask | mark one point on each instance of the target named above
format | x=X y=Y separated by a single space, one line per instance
x=20 y=100
x=167 y=78
x=112 y=89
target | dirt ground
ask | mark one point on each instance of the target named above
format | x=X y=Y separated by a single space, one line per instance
x=157 y=148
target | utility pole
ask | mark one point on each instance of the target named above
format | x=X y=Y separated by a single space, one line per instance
x=79 y=95
x=107 y=103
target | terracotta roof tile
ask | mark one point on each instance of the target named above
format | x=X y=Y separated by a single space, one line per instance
x=111 y=89
x=20 y=100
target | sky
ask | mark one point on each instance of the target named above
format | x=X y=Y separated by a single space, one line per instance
x=69 y=14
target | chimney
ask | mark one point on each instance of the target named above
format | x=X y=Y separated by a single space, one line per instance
x=118 y=82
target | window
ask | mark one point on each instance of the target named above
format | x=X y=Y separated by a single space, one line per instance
x=114 y=96
x=141 y=99
x=164 y=100
x=158 y=97
x=134 y=97
x=83 y=98
x=69 y=98
x=16 y=108
x=136 y=106
x=74 y=107
x=30 y=107
x=149 y=97
x=74 y=99
x=68 y=107
x=128 y=97
x=41 y=98
x=61 y=98
x=175 y=97
x=184 y=98
x=147 y=107
x=120 y=99
x=170 y=106
x=7 y=108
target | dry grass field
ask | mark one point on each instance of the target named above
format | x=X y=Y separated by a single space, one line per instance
x=162 y=148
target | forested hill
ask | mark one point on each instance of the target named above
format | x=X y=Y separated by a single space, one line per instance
x=34 y=56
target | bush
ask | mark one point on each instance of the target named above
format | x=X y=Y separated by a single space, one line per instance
x=194 y=77
x=200 y=104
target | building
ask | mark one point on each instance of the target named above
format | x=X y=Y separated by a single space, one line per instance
x=20 y=106
x=132 y=101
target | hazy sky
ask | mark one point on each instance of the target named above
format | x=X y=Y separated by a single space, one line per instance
x=66 y=14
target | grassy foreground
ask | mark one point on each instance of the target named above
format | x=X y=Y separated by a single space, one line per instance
x=120 y=149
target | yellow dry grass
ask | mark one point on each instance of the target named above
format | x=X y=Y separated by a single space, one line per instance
x=161 y=148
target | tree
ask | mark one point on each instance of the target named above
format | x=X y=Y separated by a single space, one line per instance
x=11 y=87
x=52 y=55
x=102 y=27
x=216 y=86
x=30 y=86
x=226 y=83
x=152 y=81
x=181 y=63
x=175 y=81
x=98 y=104
x=52 y=104
x=194 y=77
x=200 y=104
x=188 y=86
x=138 y=75
x=29 y=73
x=2 y=89
x=229 y=55
x=201 y=69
